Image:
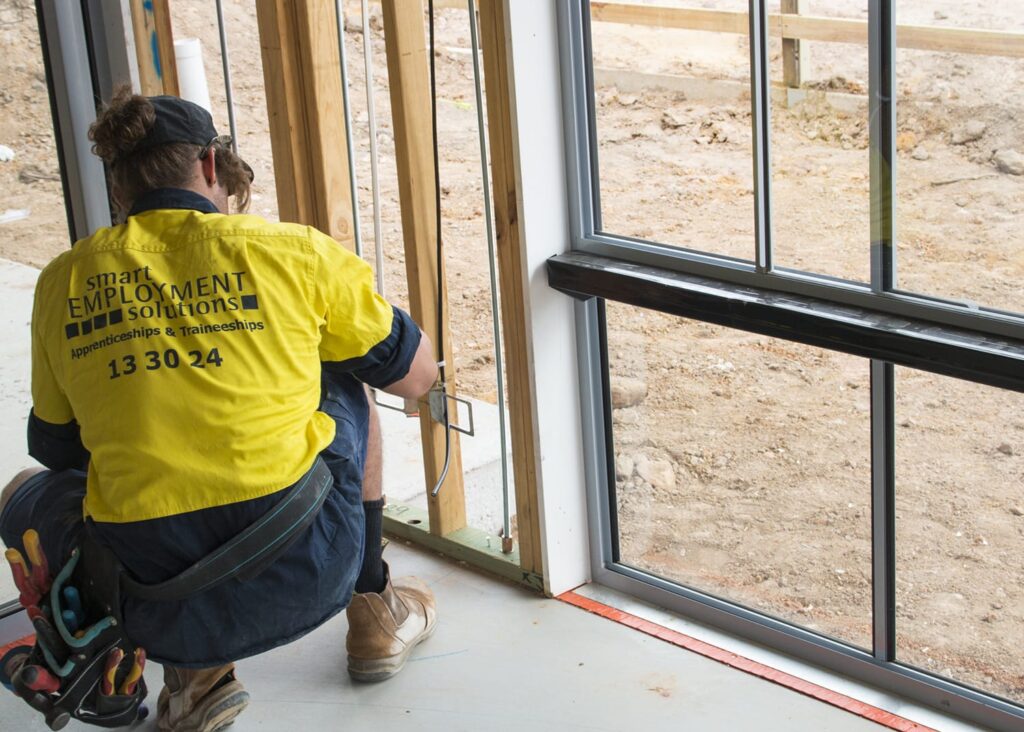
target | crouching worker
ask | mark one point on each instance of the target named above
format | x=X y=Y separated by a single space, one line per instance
x=195 y=377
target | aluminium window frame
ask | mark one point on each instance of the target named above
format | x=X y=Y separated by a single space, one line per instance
x=880 y=296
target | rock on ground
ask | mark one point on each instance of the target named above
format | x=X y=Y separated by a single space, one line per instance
x=659 y=473
x=969 y=132
x=672 y=120
x=906 y=141
x=1009 y=161
x=627 y=392
x=623 y=467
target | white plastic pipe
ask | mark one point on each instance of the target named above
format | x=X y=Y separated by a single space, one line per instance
x=188 y=57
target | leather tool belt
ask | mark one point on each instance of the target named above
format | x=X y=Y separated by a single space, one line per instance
x=253 y=550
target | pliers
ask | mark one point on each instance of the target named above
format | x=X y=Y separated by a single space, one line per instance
x=33 y=582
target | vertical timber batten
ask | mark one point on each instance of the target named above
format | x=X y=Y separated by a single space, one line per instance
x=299 y=45
x=409 y=86
x=511 y=282
x=154 y=47
x=795 y=60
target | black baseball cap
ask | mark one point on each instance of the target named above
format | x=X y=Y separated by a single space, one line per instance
x=178 y=120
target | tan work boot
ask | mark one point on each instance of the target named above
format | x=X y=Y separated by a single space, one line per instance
x=384 y=627
x=199 y=700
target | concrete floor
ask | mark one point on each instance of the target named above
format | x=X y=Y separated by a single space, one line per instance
x=504 y=659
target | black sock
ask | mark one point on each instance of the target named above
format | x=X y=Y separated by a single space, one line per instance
x=371 y=576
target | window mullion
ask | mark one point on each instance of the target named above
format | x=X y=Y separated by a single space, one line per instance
x=882 y=118
x=883 y=510
x=760 y=121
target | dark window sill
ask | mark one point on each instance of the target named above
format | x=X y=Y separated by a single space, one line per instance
x=872 y=334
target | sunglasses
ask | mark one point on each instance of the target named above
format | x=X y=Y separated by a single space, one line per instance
x=224 y=141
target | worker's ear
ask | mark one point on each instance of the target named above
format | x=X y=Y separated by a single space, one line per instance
x=209 y=167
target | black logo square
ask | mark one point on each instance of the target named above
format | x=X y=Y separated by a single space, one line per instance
x=249 y=302
x=71 y=330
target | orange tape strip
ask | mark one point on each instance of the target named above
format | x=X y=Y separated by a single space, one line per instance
x=846 y=703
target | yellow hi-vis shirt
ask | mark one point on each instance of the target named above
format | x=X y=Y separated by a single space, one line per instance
x=188 y=346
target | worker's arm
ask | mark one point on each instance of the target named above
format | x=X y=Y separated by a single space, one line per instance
x=54 y=438
x=57 y=446
x=362 y=334
x=422 y=373
x=401 y=363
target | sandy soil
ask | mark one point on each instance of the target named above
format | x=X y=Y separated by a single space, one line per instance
x=744 y=461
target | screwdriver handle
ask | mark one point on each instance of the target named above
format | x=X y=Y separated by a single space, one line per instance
x=70 y=621
x=73 y=600
x=38 y=678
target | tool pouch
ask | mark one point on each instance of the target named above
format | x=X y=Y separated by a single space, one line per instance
x=78 y=660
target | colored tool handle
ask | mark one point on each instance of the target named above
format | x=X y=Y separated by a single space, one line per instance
x=70 y=621
x=35 y=552
x=47 y=636
x=38 y=678
x=74 y=603
x=40 y=571
x=110 y=671
x=17 y=563
x=132 y=680
x=30 y=595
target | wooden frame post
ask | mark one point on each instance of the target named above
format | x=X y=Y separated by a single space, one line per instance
x=408 y=79
x=154 y=47
x=511 y=282
x=795 y=60
x=301 y=72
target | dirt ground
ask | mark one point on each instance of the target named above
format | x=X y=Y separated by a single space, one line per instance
x=743 y=461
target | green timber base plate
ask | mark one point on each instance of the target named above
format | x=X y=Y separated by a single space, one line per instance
x=469 y=545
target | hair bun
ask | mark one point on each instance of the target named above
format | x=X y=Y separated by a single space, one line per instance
x=121 y=125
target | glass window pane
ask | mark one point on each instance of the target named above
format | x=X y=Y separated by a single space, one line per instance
x=960 y=184
x=960 y=530
x=35 y=226
x=673 y=131
x=820 y=137
x=743 y=468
